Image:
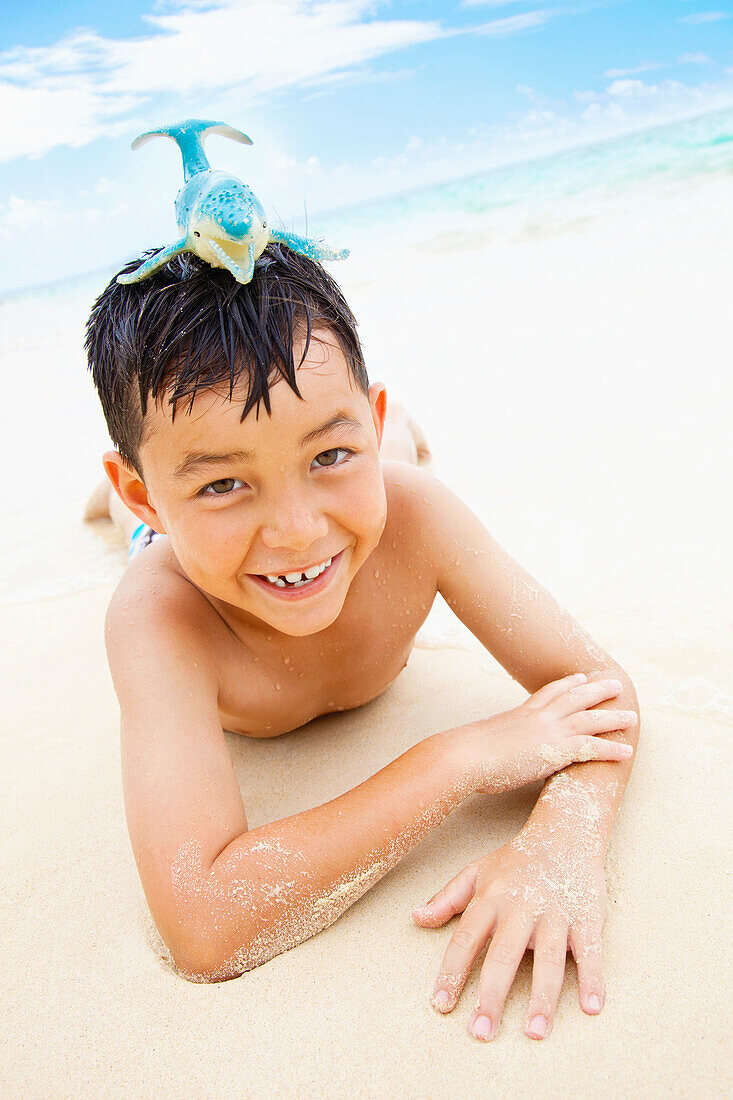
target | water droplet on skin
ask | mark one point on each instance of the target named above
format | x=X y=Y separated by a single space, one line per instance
x=376 y=572
x=278 y=687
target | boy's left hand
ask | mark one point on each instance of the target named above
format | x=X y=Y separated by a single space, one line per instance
x=539 y=891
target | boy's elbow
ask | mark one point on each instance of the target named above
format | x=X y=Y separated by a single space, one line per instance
x=197 y=959
x=210 y=950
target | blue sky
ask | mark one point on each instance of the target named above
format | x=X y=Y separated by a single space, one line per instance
x=344 y=99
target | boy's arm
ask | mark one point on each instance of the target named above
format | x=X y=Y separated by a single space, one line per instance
x=536 y=641
x=522 y=625
x=226 y=899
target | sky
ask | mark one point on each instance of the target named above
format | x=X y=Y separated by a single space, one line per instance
x=345 y=100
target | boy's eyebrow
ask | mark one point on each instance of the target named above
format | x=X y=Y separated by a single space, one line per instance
x=198 y=459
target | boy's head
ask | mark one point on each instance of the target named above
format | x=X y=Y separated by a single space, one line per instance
x=182 y=361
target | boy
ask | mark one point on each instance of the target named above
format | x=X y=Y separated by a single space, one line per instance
x=297 y=567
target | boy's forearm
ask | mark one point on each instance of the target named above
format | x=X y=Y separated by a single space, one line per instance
x=275 y=886
x=586 y=797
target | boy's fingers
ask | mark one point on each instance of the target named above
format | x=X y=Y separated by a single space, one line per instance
x=554 y=690
x=548 y=971
x=597 y=748
x=602 y=721
x=580 y=696
x=497 y=974
x=466 y=944
x=585 y=944
x=452 y=899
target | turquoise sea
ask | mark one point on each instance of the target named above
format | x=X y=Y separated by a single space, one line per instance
x=579 y=182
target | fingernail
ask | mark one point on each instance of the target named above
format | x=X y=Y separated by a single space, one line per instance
x=627 y=749
x=420 y=911
x=594 y=1003
x=538 y=1026
x=441 y=1000
x=483 y=1027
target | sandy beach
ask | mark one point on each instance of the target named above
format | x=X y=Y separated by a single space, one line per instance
x=573 y=382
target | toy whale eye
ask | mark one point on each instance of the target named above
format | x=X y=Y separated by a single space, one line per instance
x=196 y=233
x=264 y=225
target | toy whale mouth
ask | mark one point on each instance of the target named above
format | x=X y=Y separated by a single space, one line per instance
x=236 y=248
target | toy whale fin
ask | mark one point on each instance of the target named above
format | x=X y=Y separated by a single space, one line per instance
x=154 y=262
x=189 y=137
x=314 y=250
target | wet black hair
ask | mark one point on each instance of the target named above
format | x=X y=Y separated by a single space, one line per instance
x=190 y=327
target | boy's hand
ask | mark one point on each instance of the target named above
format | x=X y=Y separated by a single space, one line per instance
x=546 y=733
x=545 y=893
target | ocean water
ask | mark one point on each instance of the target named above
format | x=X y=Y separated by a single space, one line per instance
x=543 y=194
x=51 y=458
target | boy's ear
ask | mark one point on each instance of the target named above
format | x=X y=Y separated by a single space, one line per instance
x=378 y=403
x=131 y=490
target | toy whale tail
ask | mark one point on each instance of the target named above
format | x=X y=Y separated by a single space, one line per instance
x=189 y=137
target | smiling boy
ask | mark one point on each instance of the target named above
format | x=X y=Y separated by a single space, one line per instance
x=297 y=566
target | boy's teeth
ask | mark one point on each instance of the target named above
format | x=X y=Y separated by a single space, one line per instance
x=299 y=578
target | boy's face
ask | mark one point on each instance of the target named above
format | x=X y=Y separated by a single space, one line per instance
x=287 y=505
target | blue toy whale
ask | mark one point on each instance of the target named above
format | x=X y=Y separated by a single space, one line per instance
x=219 y=218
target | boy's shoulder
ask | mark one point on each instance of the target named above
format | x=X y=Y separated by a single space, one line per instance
x=155 y=604
x=408 y=486
x=414 y=499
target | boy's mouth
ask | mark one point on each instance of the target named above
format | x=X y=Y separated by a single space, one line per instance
x=301 y=584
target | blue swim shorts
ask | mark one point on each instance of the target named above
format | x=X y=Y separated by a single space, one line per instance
x=142 y=536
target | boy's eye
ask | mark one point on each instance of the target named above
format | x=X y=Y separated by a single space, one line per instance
x=223 y=486
x=330 y=456
x=220 y=488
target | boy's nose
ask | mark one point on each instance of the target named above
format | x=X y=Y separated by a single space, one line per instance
x=293 y=527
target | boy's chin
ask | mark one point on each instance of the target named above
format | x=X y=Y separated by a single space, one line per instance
x=300 y=623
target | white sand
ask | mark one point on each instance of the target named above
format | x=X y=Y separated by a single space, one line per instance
x=576 y=391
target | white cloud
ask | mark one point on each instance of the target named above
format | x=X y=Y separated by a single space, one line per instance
x=52 y=221
x=514 y=24
x=18 y=214
x=81 y=87
x=642 y=67
x=632 y=104
x=651 y=66
x=704 y=17
x=488 y=3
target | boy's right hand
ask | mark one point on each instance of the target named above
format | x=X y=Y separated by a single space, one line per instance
x=552 y=729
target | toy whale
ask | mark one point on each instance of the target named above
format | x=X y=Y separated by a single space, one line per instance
x=219 y=217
